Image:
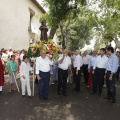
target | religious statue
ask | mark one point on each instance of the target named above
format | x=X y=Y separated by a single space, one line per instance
x=44 y=31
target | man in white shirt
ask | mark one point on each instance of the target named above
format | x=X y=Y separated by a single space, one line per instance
x=85 y=59
x=77 y=71
x=99 y=71
x=64 y=64
x=43 y=74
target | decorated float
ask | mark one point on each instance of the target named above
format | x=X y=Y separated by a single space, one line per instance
x=49 y=46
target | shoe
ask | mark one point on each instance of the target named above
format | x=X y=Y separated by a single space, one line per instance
x=10 y=91
x=64 y=94
x=77 y=90
x=106 y=98
x=99 y=94
x=93 y=93
x=41 y=98
x=59 y=92
x=13 y=90
x=45 y=98
x=74 y=90
x=111 y=101
x=108 y=101
x=29 y=96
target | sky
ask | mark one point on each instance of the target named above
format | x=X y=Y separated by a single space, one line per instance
x=41 y=3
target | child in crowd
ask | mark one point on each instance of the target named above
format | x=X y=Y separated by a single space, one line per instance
x=12 y=68
x=25 y=76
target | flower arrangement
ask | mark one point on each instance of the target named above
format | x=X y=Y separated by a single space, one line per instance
x=50 y=47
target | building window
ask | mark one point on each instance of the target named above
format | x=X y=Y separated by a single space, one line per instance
x=32 y=13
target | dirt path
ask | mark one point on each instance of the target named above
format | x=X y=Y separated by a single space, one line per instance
x=76 y=106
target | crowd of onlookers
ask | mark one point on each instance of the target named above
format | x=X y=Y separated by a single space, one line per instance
x=6 y=55
x=95 y=67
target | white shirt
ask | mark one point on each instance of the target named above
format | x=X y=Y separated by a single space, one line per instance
x=66 y=62
x=101 y=62
x=73 y=58
x=10 y=53
x=24 y=71
x=21 y=56
x=43 y=64
x=78 y=62
x=5 y=57
x=86 y=59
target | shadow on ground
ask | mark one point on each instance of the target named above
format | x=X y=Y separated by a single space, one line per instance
x=76 y=106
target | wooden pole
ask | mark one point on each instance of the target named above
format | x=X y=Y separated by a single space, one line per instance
x=16 y=82
x=33 y=77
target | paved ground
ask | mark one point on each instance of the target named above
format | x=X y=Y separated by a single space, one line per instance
x=76 y=106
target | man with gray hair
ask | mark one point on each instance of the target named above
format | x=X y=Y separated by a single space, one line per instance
x=43 y=74
x=77 y=71
x=64 y=64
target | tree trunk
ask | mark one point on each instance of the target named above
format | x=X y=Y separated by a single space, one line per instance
x=52 y=32
x=63 y=36
x=117 y=42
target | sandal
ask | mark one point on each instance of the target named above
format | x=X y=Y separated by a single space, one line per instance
x=13 y=89
x=10 y=91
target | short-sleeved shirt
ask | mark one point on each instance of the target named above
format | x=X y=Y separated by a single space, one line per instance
x=12 y=65
x=66 y=62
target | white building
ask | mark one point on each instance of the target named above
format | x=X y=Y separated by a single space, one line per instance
x=18 y=24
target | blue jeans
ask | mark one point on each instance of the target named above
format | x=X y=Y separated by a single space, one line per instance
x=43 y=84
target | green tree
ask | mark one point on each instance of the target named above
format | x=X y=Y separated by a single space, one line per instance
x=108 y=19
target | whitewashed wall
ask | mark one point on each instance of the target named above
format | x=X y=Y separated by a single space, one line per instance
x=14 y=22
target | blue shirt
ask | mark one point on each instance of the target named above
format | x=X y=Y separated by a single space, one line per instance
x=92 y=61
x=112 y=64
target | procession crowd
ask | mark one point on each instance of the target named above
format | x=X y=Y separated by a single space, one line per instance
x=95 y=67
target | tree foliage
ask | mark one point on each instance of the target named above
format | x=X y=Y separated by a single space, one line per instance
x=76 y=21
x=108 y=18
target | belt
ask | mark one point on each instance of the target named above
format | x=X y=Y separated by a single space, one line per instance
x=62 y=69
x=108 y=71
x=44 y=72
x=100 y=68
x=75 y=68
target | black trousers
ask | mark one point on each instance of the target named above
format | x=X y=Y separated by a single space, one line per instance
x=98 y=80
x=111 y=89
x=77 y=79
x=85 y=72
x=118 y=72
x=62 y=80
